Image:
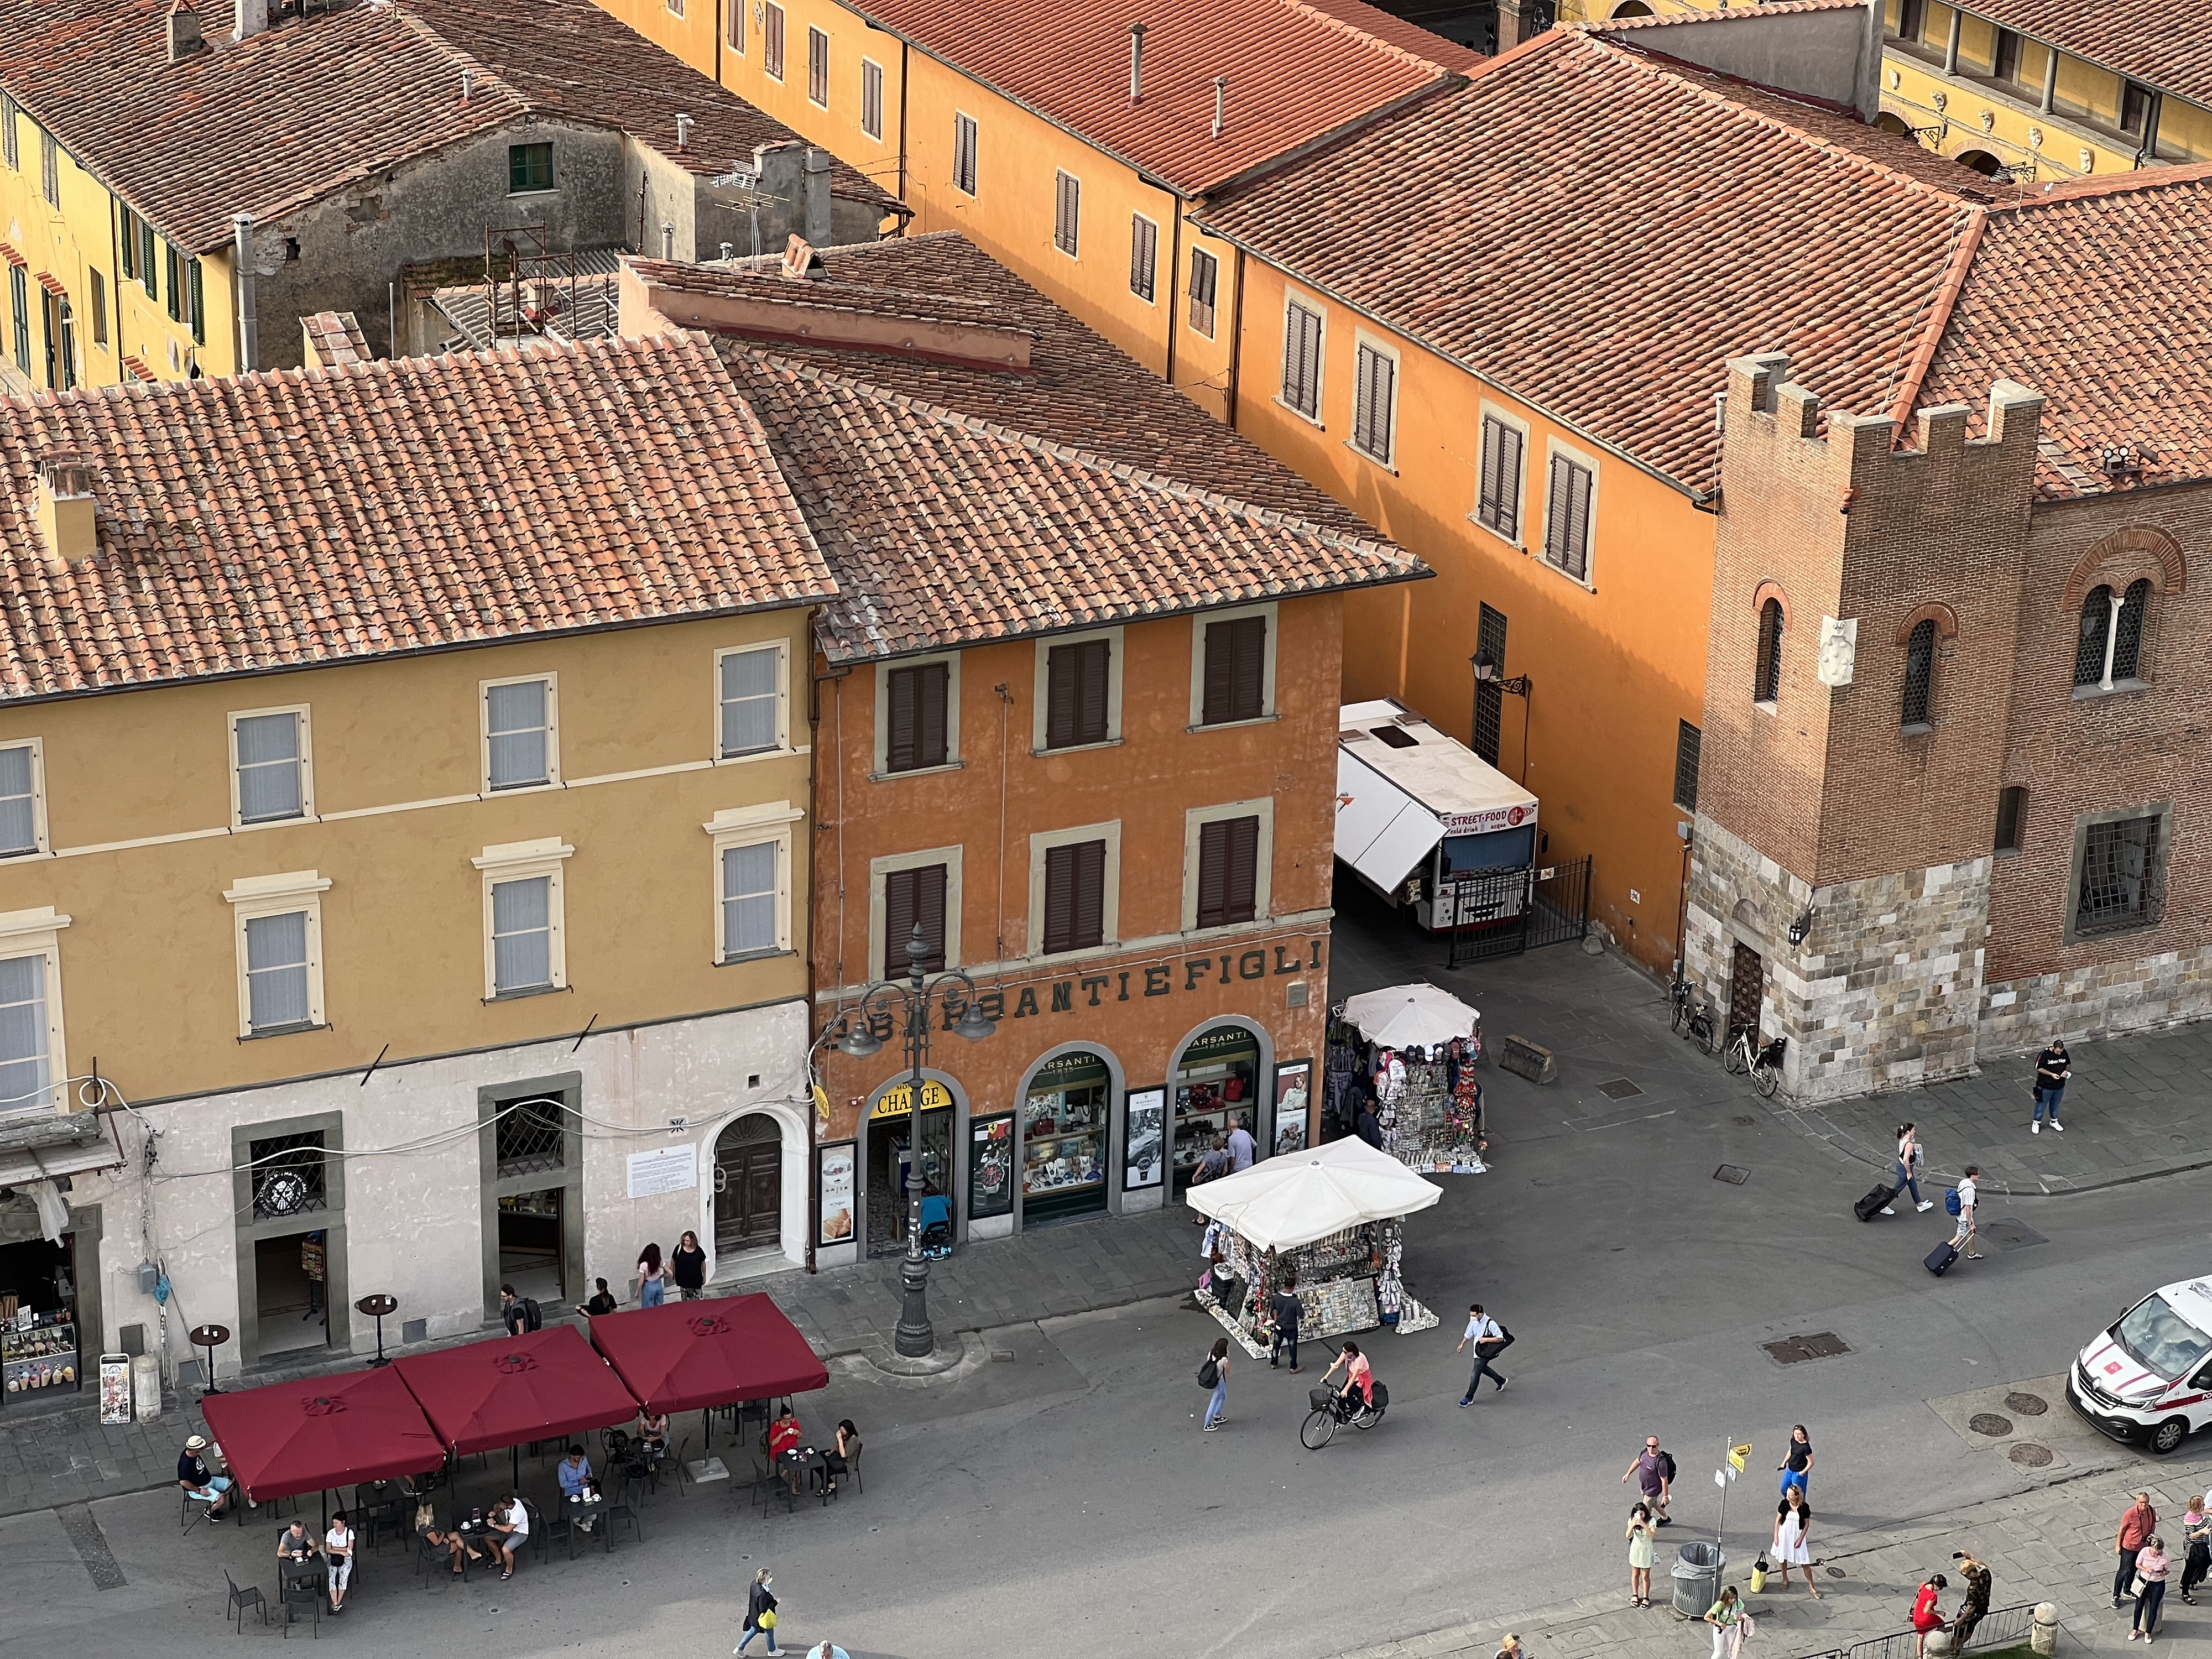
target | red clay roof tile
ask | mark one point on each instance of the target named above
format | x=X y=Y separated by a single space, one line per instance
x=2166 y=43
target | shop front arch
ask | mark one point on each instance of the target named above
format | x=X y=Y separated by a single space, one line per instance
x=885 y=1155
x=1063 y=1133
x=1218 y=1076
x=753 y=1197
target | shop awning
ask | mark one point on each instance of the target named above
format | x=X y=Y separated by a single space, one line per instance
x=1299 y=1197
x=543 y=1385
x=1419 y=1016
x=324 y=1432
x=690 y=1356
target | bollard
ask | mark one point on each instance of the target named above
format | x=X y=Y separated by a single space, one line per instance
x=146 y=1386
x=2044 y=1637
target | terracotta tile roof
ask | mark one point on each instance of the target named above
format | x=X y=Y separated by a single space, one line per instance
x=315 y=103
x=1296 y=71
x=295 y=518
x=2166 y=43
x=1601 y=228
x=2093 y=294
x=335 y=337
x=1766 y=9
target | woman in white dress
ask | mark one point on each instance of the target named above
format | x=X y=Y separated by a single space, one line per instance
x=1793 y=1537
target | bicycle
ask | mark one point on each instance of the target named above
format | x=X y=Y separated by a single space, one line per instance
x=1691 y=1009
x=1331 y=1410
x=1764 y=1064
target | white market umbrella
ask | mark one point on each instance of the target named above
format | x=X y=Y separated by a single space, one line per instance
x=1298 y=1197
x=1411 y=1016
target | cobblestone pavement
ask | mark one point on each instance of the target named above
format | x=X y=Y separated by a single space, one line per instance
x=2053 y=1543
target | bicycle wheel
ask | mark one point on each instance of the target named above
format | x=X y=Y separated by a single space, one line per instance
x=1733 y=1062
x=1681 y=1010
x=1368 y=1418
x=1766 y=1079
x=1319 y=1428
x=1701 y=1032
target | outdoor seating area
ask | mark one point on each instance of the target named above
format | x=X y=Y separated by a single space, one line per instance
x=405 y=1455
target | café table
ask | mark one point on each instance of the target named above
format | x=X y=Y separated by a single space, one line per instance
x=587 y=1516
x=791 y=1469
x=294 y=1575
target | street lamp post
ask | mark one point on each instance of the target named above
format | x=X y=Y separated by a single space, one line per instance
x=911 y=1004
x=1485 y=673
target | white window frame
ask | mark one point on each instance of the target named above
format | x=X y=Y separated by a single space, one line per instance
x=814 y=35
x=733 y=34
x=1043 y=842
x=522 y=861
x=40 y=843
x=253 y=898
x=782 y=649
x=552 y=682
x=1587 y=462
x=1040 y=695
x=1308 y=303
x=882 y=773
x=753 y=826
x=964 y=124
x=38 y=934
x=1263 y=886
x=1060 y=178
x=876 y=131
x=878 y=868
x=1361 y=338
x=675 y=8
x=1488 y=411
x=306 y=813
x=1199 y=624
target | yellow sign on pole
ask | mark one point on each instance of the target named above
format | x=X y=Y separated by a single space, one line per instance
x=1737 y=1454
x=898 y=1102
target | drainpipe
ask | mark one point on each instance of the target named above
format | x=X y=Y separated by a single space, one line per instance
x=1951 y=46
x=241 y=227
x=2050 y=80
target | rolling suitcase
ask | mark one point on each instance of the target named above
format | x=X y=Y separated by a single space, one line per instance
x=1940 y=1258
x=1872 y=1205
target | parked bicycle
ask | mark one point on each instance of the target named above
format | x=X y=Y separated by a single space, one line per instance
x=1331 y=1410
x=1692 y=1012
x=1764 y=1064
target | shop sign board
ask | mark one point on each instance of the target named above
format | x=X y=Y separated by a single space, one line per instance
x=898 y=1102
x=1145 y=1160
x=834 y=1178
x=665 y=1170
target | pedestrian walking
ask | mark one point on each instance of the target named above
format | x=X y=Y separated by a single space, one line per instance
x=1509 y=1647
x=2136 y=1526
x=652 y=1278
x=1966 y=1189
x=1288 y=1310
x=1215 y=1375
x=1927 y=1617
x=760 y=1612
x=1909 y=1159
x=1976 y=1604
x=687 y=1264
x=1491 y=1340
x=1643 y=1555
x=1653 y=1471
x=1796 y=1467
x=1241 y=1146
x=2151 y=1568
x=2196 y=1543
x=2052 y=1068
x=1793 y=1530
x=1722 y=1616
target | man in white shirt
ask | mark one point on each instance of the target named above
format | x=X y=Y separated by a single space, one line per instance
x=1240 y=1147
x=1490 y=1339
x=1964 y=1238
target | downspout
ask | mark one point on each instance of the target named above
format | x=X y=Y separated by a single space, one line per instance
x=242 y=226
x=115 y=265
x=813 y=823
x=902 y=74
x=1174 y=280
x=718 y=82
x=1235 y=338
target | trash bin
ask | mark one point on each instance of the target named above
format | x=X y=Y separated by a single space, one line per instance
x=1698 y=1579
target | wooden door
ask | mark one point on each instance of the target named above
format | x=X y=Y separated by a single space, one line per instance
x=748 y=1185
x=1747 y=982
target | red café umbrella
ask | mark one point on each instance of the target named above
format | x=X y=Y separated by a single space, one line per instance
x=543 y=1385
x=326 y=1432
x=692 y=1356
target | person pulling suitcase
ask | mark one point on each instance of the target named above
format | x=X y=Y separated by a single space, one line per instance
x=1959 y=1201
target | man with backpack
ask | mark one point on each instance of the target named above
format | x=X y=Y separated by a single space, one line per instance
x=1654 y=1472
x=519 y=1313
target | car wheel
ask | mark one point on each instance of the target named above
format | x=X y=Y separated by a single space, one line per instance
x=2168 y=1435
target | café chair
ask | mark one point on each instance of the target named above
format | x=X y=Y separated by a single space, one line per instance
x=852 y=1466
x=677 y=1466
x=296 y=1590
x=559 y=1528
x=251 y=1596
x=538 y=1542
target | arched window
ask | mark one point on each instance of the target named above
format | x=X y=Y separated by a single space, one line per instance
x=1630 y=8
x=2128 y=631
x=2096 y=629
x=1919 y=671
x=1766 y=677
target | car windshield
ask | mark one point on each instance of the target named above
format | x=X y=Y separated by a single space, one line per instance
x=2160 y=1339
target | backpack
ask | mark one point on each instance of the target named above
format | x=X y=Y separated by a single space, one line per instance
x=1951 y=1201
x=1209 y=1374
x=1667 y=1462
x=532 y=1317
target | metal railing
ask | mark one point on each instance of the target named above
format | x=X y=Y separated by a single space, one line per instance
x=2000 y=1629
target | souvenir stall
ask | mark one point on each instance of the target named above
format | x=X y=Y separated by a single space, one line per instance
x=1329 y=1224
x=1420 y=1045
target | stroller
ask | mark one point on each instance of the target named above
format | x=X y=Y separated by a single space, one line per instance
x=936 y=1227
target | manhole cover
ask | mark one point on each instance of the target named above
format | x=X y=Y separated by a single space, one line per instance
x=1746 y=1121
x=1620 y=1088
x=2027 y=1405
x=1991 y=1424
x=1734 y=1175
x=2007 y=1234
x=1834 y=1572
x=1795 y=1350
x=2029 y=1456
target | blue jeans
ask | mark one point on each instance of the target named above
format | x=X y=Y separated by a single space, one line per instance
x=1214 y=1407
x=652 y=1293
x=1906 y=1182
x=746 y=1639
x=1797 y=1478
x=2049 y=1098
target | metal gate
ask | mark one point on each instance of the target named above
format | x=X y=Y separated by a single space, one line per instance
x=1502 y=913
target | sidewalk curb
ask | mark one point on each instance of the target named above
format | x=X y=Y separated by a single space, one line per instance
x=1840 y=1142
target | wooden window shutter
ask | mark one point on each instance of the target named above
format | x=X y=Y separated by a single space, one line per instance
x=911 y=896
x=1243 y=868
x=1236 y=671
x=1490 y=502
x=1212 y=874
x=1094 y=659
x=1378 y=378
x=916 y=716
x=1228 y=872
x=1075 y=897
x=1075 y=693
x=1566 y=517
x=899 y=740
x=1060 y=679
x=1509 y=471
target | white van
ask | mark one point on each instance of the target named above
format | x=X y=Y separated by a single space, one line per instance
x=2148 y=1379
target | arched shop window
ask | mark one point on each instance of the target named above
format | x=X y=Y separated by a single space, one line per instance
x=1065 y=1118
x=1216 y=1086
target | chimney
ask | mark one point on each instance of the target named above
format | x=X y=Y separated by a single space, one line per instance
x=184 y=33
x=468 y=83
x=253 y=17
x=1221 y=102
x=817 y=167
x=67 y=515
x=684 y=124
x=667 y=240
x=1136 y=63
x=249 y=337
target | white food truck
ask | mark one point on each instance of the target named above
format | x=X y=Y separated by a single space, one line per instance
x=1419 y=816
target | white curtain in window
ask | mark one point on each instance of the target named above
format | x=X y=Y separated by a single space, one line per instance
x=748 y=899
x=269 y=768
x=522 y=933
x=25 y=1080
x=277 y=972
x=749 y=701
x=515 y=717
x=19 y=820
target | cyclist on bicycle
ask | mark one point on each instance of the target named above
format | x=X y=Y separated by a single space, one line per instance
x=1358 y=1374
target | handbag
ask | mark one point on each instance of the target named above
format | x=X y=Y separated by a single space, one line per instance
x=1491 y=1346
x=767 y=1620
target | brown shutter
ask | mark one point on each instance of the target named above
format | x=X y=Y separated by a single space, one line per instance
x=1489 y=501
x=910 y=895
x=1578 y=493
x=1062 y=675
x=1059 y=899
x=1243 y=869
x=1555 y=513
x=1220 y=675
x=1249 y=691
x=930 y=897
x=1509 y=481
x=1228 y=872
x=898 y=741
x=931 y=683
x=1075 y=897
x=1212 y=874
x=1094 y=667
